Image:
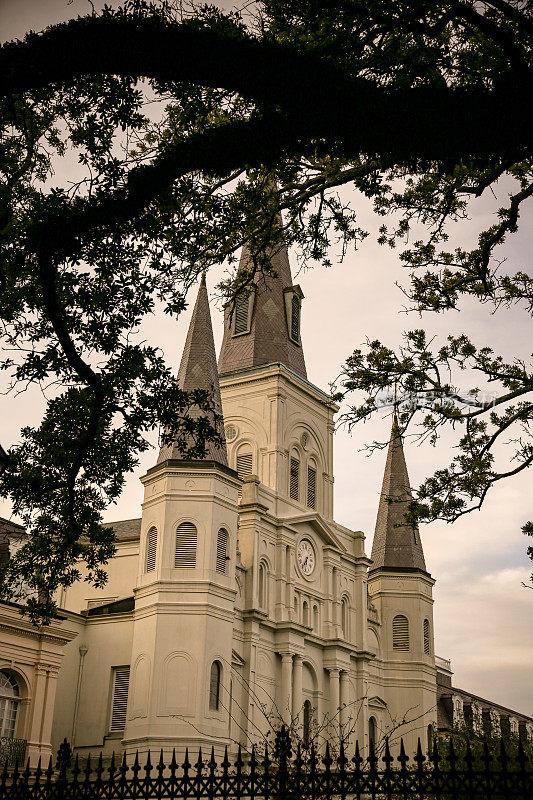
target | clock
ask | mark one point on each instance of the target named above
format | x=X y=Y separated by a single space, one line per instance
x=305 y=555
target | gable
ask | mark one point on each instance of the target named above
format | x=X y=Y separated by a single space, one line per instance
x=318 y=525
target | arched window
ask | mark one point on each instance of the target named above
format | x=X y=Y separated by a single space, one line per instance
x=430 y=738
x=151 y=549
x=345 y=618
x=295 y=319
x=214 y=686
x=305 y=613
x=222 y=551
x=186 y=541
x=294 y=477
x=242 y=304
x=372 y=732
x=296 y=610
x=311 y=485
x=427 y=641
x=315 y=619
x=400 y=633
x=307 y=723
x=9 y=700
x=263 y=586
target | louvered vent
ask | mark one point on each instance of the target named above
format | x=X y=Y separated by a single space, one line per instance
x=400 y=633
x=222 y=551
x=295 y=319
x=294 y=478
x=311 y=487
x=244 y=464
x=121 y=682
x=151 y=549
x=427 y=648
x=241 y=315
x=186 y=541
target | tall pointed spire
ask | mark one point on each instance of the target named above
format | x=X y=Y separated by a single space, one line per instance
x=270 y=334
x=396 y=545
x=198 y=370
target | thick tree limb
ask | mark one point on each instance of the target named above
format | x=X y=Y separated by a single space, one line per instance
x=319 y=99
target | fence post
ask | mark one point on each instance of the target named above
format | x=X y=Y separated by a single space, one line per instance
x=373 y=772
x=266 y=774
x=387 y=758
x=357 y=760
x=327 y=761
x=419 y=759
x=253 y=767
x=212 y=768
x=238 y=775
x=198 y=780
x=187 y=781
x=404 y=772
x=313 y=770
x=435 y=777
x=342 y=761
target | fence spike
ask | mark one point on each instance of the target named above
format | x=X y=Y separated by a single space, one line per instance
x=327 y=760
x=173 y=762
x=38 y=772
x=148 y=766
x=212 y=762
x=123 y=766
x=88 y=770
x=186 y=764
x=225 y=762
x=253 y=759
x=387 y=758
x=161 y=763
x=199 y=764
x=403 y=758
x=239 y=763
x=112 y=766
x=357 y=756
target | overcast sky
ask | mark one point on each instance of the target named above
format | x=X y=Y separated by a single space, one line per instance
x=483 y=615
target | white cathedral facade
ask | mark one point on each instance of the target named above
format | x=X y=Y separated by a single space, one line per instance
x=236 y=602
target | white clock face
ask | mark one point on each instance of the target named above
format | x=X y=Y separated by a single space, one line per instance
x=306 y=557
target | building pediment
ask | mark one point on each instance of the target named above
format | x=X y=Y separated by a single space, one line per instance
x=236 y=660
x=319 y=526
x=377 y=702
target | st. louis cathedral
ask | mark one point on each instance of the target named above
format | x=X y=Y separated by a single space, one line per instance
x=236 y=602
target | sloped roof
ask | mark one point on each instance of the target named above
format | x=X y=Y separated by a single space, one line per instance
x=396 y=545
x=126 y=529
x=268 y=340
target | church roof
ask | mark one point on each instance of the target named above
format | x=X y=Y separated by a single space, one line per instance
x=396 y=545
x=198 y=370
x=267 y=340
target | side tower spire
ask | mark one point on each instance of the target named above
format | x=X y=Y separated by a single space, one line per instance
x=264 y=327
x=396 y=545
x=400 y=590
x=198 y=370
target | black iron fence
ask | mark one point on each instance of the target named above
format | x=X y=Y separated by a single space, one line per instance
x=12 y=751
x=458 y=775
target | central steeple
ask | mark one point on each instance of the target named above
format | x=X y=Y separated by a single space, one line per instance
x=264 y=328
